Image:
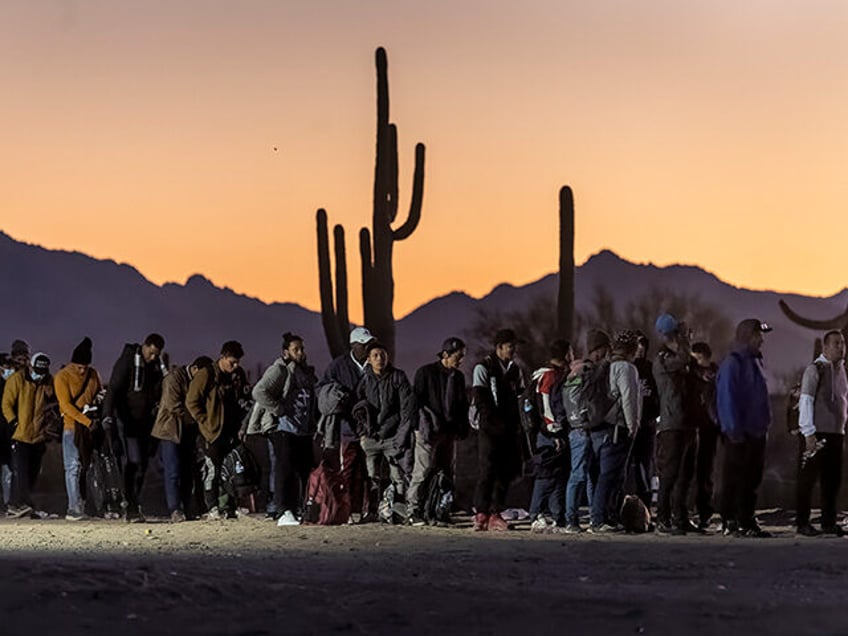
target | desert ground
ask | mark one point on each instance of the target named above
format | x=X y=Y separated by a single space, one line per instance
x=249 y=577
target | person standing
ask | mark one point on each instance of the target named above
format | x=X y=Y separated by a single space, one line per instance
x=823 y=410
x=76 y=386
x=27 y=394
x=135 y=388
x=384 y=416
x=442 y=404
x=640 y=471
x=677 y=427
x=704 y=372
x=177 y=433
x=744 y=414
x=215 y=400
x=285 y=395
x=497 y=384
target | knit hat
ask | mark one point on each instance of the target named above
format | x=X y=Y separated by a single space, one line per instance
x=596 y=339
x=666 y=325
x=82 y=352
x=626 y=340
x=20 y=348
x=40 y=363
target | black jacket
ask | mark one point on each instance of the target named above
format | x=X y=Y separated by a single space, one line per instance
x=495 y=393
x=386 y=406
x=135 y=388
x=434 y=387
x=650 y=402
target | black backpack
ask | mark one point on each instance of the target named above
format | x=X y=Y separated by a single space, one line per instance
x=531 y=408
x=437 y=506
x=240 y=474
x=586 y=396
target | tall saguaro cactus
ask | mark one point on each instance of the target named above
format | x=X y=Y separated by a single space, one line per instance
x=334 y=315
x=565 y=298
x=376 y=246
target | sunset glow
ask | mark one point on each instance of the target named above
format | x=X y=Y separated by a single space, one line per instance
x=202 y=136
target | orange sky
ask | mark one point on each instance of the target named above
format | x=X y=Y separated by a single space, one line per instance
x=706 y=133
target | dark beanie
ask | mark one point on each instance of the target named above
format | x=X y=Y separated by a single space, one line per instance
x=20 y=348
x=82 y=352
x=597 y=339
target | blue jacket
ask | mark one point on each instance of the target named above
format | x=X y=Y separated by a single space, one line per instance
x=744 y=411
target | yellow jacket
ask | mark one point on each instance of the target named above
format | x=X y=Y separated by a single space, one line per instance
x=23 y=404
x=68 y=383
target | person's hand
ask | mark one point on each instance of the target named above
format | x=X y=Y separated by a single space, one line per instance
x=107 y=423
x=645 y=388
x=810 y=443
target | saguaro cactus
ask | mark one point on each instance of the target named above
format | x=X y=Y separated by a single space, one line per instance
x=565 y=298
x=334 y=315
x=376 y=247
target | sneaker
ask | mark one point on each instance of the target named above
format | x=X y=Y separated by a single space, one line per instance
x=572 y=528
x=604 y=528
x=178 y=516
x=370 y=517
x=668 y=530
x=17 y=512
x=74 y=516
x=213 y=515
x=481 y=522
x=730 y=528
x=835 y=531
x=540 y=526
x=415 y=520
x=807 y=530
x=133 y=515
x=754 y=532
x=287 y=519
x=497 y=523
x=687 y=527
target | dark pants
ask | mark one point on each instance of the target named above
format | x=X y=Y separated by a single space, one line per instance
x=215 y=453
x=640 y=468
x=704 y=466
x=675 y=465
x=432 y=453
x=499 y=463
x=350 y=461
x=742 y=472
x=606 y=472
x=139 y=451
x=293 y=463
x=182 y=477
x=826 y=465
x=26 y=463
x=549 y=485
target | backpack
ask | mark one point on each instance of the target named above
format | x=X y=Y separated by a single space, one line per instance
x=531 y=408
x=439 y=501
x=586 y=397
x=327 y=498
x=104 y=481
x=240 y=474
x=390 y=510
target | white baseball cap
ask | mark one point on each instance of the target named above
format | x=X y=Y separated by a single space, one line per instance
x=360 y=335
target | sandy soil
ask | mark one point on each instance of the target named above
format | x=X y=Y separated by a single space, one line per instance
x=249 y=577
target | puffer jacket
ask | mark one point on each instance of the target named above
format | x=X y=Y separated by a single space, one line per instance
x=390 y=403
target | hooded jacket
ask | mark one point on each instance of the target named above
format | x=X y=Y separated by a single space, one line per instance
x=24 y=403
x=742 y=396
x=671 y=372
x=135 y=387
x=284 y=399
x=173 y=414
x=441 y=400
x=213 y=400
x=389 y=403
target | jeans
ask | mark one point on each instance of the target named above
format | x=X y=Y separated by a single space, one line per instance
x=608 y=456
x=73 y=471
x=180 y=472
x=578 y=441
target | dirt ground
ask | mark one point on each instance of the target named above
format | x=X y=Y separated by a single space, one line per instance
x=249 y=577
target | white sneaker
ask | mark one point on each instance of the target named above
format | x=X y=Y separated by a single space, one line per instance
x=214 y=514
x=540 y=525
x=288 y=519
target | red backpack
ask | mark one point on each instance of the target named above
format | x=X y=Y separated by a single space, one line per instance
x=327 y=498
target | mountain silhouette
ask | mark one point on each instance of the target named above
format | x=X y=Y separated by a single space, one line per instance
x=54 y=298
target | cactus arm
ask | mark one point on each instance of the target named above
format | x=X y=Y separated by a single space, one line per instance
x=406 y=230
x=838 y=322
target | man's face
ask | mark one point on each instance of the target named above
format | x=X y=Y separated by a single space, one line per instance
x=150 y=352
x=20 y=361
x=453 y=360
x=358 y=351
x=756 y=341
x=702 y=359
x=378 y=359
x=77 y=368
x=505 y=351
x=834 y=348
x=295 y=351
x=641 y=351
x=228 y=364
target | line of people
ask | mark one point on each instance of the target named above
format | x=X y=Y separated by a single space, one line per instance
x=595 y=427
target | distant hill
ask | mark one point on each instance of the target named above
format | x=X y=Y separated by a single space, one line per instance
x=54 y=298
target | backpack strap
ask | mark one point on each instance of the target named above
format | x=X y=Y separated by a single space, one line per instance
x=82 y=388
